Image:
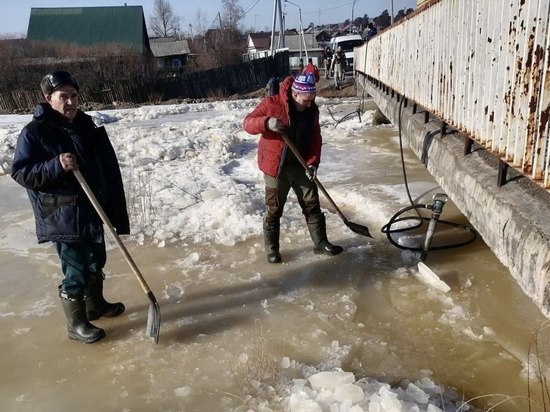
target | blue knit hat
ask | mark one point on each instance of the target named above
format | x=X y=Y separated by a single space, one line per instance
x=304 y=83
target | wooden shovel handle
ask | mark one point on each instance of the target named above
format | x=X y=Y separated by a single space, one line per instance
x=111 y=230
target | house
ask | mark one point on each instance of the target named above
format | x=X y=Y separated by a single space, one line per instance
x=303 y=48
x=259 y=45
x=170 y=53
x=91 y=26
x=258 y=42
x=322 y=36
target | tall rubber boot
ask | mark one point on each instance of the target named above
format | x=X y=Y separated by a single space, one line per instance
x=96 y=305
x=78 y=326
x=318 y=231
x=271 y=241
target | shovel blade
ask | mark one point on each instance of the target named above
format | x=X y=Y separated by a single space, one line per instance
x=153 y=319
x=359 y=229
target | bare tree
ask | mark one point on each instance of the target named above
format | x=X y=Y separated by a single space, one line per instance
x=232 y=14
x=163 y=22
x=199 y=27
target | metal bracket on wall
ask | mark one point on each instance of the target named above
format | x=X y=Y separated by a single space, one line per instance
x=502 y=172
x=468 y=143
x=443 y=129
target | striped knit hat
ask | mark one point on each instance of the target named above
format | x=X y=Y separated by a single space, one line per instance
x=304 y=83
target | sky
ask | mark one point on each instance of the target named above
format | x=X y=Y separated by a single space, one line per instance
x=194 y=170
x=259 y=13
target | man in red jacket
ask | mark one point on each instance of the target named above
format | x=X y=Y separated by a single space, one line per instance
x=294 y=112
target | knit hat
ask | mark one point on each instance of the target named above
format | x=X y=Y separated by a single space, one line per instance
x=54 y=80
x=304 y=83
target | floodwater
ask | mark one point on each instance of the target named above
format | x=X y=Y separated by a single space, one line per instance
x=361 y=311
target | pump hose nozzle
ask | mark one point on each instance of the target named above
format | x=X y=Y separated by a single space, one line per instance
x=439 y=201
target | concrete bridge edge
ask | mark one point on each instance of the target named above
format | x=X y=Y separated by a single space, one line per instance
x=513 y=219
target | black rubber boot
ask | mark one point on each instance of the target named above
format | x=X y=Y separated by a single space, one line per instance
x=77 y=323
x=271 y=241
x=96 y=305
x=318 y=231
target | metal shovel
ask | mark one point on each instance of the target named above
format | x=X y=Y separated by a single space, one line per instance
x=357 y=228
x=153 y=318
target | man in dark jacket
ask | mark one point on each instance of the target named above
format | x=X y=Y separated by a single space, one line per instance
x=294 y=112
x=328 y=61
x=59 y=139
x=373 y=31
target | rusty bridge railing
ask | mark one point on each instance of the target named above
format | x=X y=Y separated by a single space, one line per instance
x=483 y=67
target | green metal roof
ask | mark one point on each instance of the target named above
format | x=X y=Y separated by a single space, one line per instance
x=88 y=26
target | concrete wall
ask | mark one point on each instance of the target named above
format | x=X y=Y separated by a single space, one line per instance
x=514 y=219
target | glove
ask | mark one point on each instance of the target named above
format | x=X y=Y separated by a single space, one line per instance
x=275 y=125
x=312 y=173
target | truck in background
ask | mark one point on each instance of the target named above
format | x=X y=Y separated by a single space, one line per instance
x=347 y=42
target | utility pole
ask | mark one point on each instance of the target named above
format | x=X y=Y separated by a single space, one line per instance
x=277 y=11
x=301 y=29
x=391 y=8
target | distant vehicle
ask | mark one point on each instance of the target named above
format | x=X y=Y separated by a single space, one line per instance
x=347 y=42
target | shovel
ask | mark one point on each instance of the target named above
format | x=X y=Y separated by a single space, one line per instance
x=153 y=318
x=359 y=229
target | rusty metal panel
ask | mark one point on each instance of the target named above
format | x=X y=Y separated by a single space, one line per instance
x=542 y=123
x=481 y=66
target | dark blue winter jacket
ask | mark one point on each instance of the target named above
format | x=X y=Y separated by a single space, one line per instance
x=62 y=211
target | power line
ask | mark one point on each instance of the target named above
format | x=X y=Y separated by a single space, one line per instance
x=249 y=9
x=218 y=15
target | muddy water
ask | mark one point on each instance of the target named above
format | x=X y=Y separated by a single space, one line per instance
x=362 y=311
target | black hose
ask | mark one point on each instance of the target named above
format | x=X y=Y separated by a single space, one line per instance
x=395 y=218
x=416 y=206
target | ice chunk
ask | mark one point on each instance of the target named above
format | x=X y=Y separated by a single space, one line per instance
x=330 y=380
x=384 y=401
x=299 y=402
x=427 y=276
x=285 y=362
x=183 y=391
x=348 y=392
x=417 y=394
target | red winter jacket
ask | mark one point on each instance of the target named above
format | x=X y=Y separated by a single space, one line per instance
x=272 y=148
x=311 y=68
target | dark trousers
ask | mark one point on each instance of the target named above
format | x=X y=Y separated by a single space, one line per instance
x=79 y=261
x=292 y=176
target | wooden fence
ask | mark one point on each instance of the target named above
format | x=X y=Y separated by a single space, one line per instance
x=219 y=82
